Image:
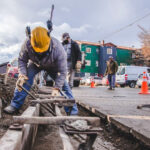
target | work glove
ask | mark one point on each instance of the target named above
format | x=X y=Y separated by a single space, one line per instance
x=78 y=66
x=21 y=80
x=55 y=92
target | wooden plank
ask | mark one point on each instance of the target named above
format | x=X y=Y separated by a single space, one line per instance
x=63 y=102
x=6 y=75
x=23 y=139
x=44 y=101
x=65 y=139
x=43 y=96
x=0 y=108
x=128 y=117
x=95 y=121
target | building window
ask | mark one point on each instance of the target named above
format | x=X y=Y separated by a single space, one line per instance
x=96 y=63
x=88 y=50
x=88 y=63
x=109 y=51
x=97 y=50
x=133 y=55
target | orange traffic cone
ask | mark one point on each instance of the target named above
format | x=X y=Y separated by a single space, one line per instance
x=92 y=83
x=144 y=87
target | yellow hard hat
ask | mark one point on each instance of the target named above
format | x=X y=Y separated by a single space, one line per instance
x=40 y=40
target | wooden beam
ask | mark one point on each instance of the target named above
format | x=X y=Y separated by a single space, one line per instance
x=65 y=139
x=64 y=102
x=53 y=101
x=57 y=111
x=43 y=96
x=94 y=121
x=0 y=108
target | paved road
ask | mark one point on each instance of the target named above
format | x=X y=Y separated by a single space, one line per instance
x=123 y=104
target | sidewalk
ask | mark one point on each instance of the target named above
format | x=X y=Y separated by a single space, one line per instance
x=120 y=107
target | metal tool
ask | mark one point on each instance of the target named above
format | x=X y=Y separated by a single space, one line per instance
x=35 y=98
x=91 y=135
x=27 y=92
x=143 y=106
x=49 y=22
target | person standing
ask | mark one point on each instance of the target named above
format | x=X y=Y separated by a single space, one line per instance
x=41 y=52
x=111 y=70
x=73 y=57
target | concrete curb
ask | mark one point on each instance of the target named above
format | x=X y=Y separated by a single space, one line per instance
x=129 y=130
x=21 y=139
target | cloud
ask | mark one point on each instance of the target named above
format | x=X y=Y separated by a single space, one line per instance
x=10 y=49
x=91 y=20
x=44 y=13
x=65 y=9
x=8 y=53
x=75 y=32
x=11 y=41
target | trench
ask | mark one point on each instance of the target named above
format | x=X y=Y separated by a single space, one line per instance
x=109 y=138
x=48 y=137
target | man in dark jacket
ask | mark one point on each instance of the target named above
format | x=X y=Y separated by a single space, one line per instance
x=40 y=52
x=73 y=57
x=111 y=70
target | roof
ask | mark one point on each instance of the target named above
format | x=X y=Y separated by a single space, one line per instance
x=107 y=44
x=4 y=64
x=127 y=48
x=88 y=43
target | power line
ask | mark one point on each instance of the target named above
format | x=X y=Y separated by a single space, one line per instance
x=129 y=25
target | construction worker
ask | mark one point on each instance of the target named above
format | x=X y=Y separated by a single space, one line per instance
x=40 y=52
x=73 y=57
x=111 y=70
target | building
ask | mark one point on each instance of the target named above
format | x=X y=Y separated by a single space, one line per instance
x=90 y=57
x=125 y=55
x=95 y=55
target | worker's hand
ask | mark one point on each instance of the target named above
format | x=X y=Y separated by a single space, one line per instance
x=21 y=80
x=78 y=66
x=55 y=92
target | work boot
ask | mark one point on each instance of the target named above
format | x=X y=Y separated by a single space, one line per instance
x=110 y=88
x=10 y=110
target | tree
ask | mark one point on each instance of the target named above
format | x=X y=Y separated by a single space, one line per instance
x=145 y=39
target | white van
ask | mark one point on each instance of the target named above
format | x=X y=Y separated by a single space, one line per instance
x=128 y=75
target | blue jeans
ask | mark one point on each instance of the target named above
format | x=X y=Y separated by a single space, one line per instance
x=111 y=79
x=19 y=97
x=67 y=90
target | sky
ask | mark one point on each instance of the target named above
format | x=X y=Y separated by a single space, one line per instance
x=86 y=20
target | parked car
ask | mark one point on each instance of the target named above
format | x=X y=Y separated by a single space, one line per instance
x=88 y=81
x=140 y=80
x=128 y=75
x=83 y=81
x=105 y=80
x=13 y=68
x=98 y=80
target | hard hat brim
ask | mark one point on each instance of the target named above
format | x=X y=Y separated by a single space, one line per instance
x=43 y=49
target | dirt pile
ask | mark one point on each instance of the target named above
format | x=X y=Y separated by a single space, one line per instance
x=6 y=94
x=6 y=91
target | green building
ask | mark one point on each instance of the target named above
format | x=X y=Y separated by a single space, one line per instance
x=125 y=55
x=90 y=54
